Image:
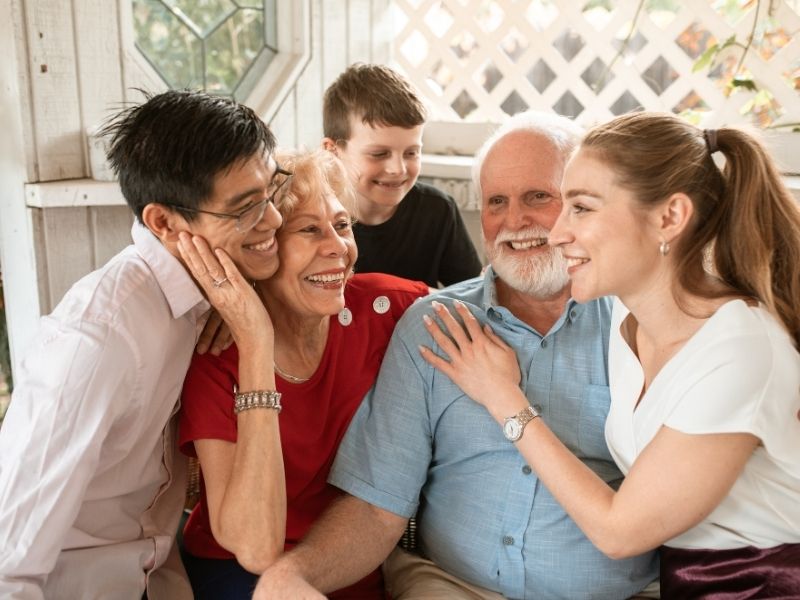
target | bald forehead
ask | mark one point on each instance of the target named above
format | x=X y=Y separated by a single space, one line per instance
x=522 y=156
x=527 y=143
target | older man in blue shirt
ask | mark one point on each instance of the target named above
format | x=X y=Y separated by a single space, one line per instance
x=487 y=527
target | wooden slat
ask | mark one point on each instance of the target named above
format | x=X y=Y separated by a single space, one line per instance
x=68 y=247
x=111 y=231
x=23 y=80
x=40 y=252
x=309 y=88
x=333 y=54
x=358 y=31
x=17 y=242
x=99 y=60
x=54 y=87
x=283 y=124
x=73 y=192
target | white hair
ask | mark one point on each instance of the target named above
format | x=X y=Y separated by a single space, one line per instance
x=564 y=133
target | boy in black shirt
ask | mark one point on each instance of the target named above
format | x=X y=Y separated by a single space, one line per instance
x=373 y=122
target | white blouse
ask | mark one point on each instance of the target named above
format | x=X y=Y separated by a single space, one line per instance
x=739 y=373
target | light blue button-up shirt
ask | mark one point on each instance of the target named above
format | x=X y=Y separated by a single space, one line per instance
x=419 y=445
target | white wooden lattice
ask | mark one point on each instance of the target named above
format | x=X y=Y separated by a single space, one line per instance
x=548 y=54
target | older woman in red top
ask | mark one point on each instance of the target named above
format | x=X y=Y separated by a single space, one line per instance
x=266 y=416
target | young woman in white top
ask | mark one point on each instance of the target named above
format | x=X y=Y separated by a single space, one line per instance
x=703 y=364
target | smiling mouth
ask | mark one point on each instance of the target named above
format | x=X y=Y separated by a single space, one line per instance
x=389 y=184
x=525 y=244
x=327 y=280
x=261 y=246
x=576 y=262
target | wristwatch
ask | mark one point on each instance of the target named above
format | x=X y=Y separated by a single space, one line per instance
x=514 y=426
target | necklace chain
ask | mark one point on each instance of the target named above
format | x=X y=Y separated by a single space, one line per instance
x=287 y=376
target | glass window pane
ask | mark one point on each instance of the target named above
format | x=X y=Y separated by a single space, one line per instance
x=222 y=46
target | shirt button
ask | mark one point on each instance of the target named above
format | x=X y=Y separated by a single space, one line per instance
x=537 y=407
x=573 y=313
x=508 y=540
x=526 y=469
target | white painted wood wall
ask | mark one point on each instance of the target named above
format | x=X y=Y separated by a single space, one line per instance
x=73 y=64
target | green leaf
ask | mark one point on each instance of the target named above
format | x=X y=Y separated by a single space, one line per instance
x=744 y=82
x=729 y=42
x=706 y=58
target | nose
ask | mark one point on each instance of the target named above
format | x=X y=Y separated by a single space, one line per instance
x=271 y=219
x=334 y=244
x=560 y=233
x=517 y=216
x=396 y=164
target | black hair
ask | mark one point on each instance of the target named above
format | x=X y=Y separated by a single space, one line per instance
x=170 y=148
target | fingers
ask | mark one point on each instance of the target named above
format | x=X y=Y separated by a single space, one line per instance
x=223 y=339
x=454 y=328
x=229 y=268
x=437 y=362
x=190 y=256
x=494 y=338
x=471 y=324
x=204 y=267
x=444 y=342
x=212 y=270
x=209 y=331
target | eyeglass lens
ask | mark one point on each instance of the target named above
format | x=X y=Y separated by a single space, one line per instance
x=248 y=219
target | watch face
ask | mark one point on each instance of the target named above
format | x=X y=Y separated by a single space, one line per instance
x=512 y=429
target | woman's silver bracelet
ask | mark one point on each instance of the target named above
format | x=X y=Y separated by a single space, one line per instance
x=259 y=399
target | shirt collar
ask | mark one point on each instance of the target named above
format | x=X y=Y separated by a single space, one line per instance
x=490 y=304
x=178 y=287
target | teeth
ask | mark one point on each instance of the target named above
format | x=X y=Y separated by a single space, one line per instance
x=574 y=262
x=327 y=278
x=527 y=244
x=390 y=185
x=261 y=246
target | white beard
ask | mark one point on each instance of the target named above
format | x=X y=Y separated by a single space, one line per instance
x=541 y=276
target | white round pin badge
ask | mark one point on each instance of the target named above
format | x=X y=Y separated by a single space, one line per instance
x=381 y=305
x=345 y=317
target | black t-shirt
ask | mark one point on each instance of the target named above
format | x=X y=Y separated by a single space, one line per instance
x=425 y=239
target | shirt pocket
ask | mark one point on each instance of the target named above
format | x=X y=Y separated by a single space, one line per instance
x=595 y=403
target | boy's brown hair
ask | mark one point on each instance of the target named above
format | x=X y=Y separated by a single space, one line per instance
x=376 y=94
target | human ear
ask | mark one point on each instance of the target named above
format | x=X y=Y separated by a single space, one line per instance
x=329 y=145
x=675 y=215
x=164 y=223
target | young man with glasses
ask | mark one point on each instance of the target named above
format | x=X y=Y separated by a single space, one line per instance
x=91 y=484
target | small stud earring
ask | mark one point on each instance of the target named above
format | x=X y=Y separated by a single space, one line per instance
x=663 y=247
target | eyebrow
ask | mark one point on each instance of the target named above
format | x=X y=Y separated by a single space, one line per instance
x=237 y=199
x=388 y=147
x=307 y=215
x=580 y=192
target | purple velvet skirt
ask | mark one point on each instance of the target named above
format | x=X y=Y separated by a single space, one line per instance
x=737 y=574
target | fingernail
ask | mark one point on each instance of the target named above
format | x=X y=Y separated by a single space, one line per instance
x=436 y=305
x=201 y=348
x=427 y=319
x=422 y=349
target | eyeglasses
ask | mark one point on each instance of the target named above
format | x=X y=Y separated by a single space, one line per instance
x=250 y=216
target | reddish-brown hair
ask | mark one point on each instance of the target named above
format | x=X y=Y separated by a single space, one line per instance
x=374 y=93
x=745 y=220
